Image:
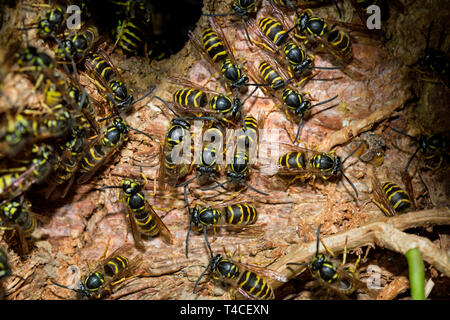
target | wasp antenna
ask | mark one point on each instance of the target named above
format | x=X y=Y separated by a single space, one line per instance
x=337 y=8
x=63 y=286
x=411 y=159
x=326 y=101
x=298 y=130
x=218 y=14
x=246 y=31
x=141 y=132
x=430 y=27
x=218 y=184
x=353 y=152
x=149 y=92
x=318 y=239
x=199 y=278
x=108 y=187
x=207 y=242
x=403 y=133
x=167 y=105
x=254 y=189
x=184 y=184
x=350 y=183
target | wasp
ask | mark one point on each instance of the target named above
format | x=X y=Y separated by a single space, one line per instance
x=49 y=25
x=274 y=34
x=390 y=197
x=239 y=170
x=130 y=36
x=5 y=269
x=72 y=151
x=242 y=9
x=298 y=105
x=142 y=217
x=305 y=163
x=104 y=147
x=194 y=99
x=231 y=71
x=43 y=162
x=16 y=215
x=107 y=78
x=77 y=46
x=109 y=272
x=234 y=217
x=434 y=148
x=312 y=28
x=249 y=280
x=434 y=61
x=157 y=49
x=343 y=281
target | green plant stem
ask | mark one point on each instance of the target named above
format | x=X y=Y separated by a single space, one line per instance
x=416 y=274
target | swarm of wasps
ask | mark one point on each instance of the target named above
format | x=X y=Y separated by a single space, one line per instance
x=69 y=143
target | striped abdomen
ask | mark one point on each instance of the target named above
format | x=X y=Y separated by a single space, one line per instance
x=249 y=134
x=18 y=215
x=398 y=198
x=132 y=37
x=116 y=266
x=292 y=160
x=102 y=67
x=113 y=137
x=142 y=214
x=270 y=76
x=213 y=45
x=273 y=30
x=255 y=285
x=190 y=98
x=341 y=41
x=240 y=214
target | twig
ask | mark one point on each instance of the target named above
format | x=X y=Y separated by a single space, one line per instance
x=347 y=133
x=394 y=288
x=384 y=232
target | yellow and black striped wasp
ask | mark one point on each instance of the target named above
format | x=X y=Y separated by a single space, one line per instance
x=72 y=148
x=108 y=80
x=299 y=106
x=302 y=164
x=242 y=9
x=434 y=61
x=193 y=99
x=315 y=30
x=175 y=152
x=390 y=197
x=339 y=279
x=14 y=183
x=143 y=219
x=108 y=273
x=207 y=161
x=77 y=46
x=21 y=131
x=215 y=48
x=16 y=215
x=249 y=280
x=130 y=36
x=50 y=24
x=434 y=149
x=104 y=146
x=273 y=33
x=234 y=217
x=5 y=271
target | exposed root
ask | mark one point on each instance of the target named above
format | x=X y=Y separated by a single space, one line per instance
x=385 y=233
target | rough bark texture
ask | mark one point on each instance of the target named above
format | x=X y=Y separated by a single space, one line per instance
x=77 y=229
